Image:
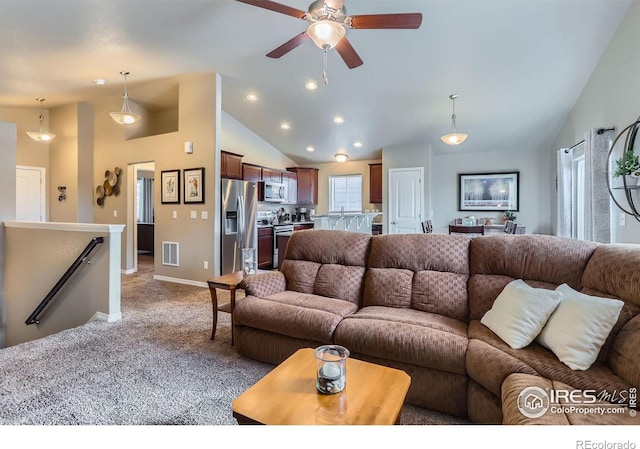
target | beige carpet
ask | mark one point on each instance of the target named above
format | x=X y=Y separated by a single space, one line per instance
x=155 y=366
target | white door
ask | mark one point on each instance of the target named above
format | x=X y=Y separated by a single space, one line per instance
x=405 y=200
x=30 y=194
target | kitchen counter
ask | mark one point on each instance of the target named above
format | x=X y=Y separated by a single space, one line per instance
x=287 y=223
x=346 y=222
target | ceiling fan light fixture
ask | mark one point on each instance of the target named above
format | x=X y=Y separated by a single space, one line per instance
x=125 y=116
x=454 y=137
x=341 y=157
x=326 y=33
x=42 y=134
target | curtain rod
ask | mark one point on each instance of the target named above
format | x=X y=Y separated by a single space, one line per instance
x=600 y=131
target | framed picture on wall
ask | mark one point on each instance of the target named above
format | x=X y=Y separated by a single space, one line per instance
x=170 y=186
x=194 y=185
x=489 y=191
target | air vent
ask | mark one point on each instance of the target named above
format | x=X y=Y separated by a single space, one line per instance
x=170 y=253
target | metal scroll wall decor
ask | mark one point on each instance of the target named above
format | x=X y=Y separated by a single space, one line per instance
x=629 y=190
x=110 y=186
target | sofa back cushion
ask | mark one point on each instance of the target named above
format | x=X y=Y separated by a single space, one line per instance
x=542 y=261
x=614 y=272
x=327 y=263
x=427 y=272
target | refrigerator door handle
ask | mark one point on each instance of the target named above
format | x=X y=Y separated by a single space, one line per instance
x=241 y=222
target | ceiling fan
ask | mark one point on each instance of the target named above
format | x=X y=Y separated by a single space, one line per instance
x=328 y=24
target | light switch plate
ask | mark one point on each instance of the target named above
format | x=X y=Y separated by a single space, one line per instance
x=622 y=217
x=204 y=215
x=194 y=214
x=175 y=214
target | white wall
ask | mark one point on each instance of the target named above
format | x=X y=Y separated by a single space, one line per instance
x=237 y=138
x=610 y=98
x=535 y=186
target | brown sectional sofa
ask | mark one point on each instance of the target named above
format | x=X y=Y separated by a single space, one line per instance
x=415 y=302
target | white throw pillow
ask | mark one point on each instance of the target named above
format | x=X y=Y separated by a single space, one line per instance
x=520 y=312
x=579 y=327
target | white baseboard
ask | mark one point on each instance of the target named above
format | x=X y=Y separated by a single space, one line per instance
x=180 y=281
x=109 y=318
x=129 y=271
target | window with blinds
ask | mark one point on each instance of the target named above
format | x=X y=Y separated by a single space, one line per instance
x=345 y=193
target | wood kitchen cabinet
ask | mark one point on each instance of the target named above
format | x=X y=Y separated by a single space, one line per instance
x=290 y=180
x=302 y=227
x=375 y=183
x=265 y=248
x=230 y=165
x=251 y=172
x=307 y=184
x=269 y=174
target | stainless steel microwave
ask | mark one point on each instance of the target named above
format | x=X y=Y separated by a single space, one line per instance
x=272 y=192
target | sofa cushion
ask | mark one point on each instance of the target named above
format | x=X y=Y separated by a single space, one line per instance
x=340 y=282
x=520 y=312
x=441 y=292
x=389 y=287
x=578 y=328
x=300 y=275
x=329 y=247
x=439 y=264
x=406 y=335
x=294 y=314
x=542 y=261
x=543 y=362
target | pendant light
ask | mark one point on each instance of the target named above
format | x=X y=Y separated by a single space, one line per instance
x=42 y=135
x=454 y=137
x=125 y=116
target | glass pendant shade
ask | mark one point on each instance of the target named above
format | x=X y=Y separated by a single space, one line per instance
x=125 y=116
x=454 y=137
x=42 y=134
x=326 y=33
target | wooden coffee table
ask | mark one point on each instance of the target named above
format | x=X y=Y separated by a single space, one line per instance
x=287 y=395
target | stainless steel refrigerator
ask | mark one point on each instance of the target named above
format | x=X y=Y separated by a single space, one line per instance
x=239 y=225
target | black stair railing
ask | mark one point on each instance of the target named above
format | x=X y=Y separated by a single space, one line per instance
x=33 y=318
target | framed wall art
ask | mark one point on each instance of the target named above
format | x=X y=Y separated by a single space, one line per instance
x=194 y=185
x=170 y=186
x=489 y=191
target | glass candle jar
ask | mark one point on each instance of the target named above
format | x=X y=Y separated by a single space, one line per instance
x=249 y=261
x=331 y=370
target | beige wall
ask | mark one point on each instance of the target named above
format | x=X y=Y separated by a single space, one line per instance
x=7 y=207
x=610 y=98
x=71 y=163
x=91 y=293
x=198 y=114
x=344 y=168
x=28 y=151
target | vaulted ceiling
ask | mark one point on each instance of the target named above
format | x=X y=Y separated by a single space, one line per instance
x=518 y=66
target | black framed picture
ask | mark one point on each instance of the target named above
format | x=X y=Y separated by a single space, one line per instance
x=194 y=185
x=489 y=191
x=170 y=180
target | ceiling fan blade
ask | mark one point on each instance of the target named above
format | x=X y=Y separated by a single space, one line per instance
x=348 y=53
x=289 y=45
x=387 y=21
x=277 y=7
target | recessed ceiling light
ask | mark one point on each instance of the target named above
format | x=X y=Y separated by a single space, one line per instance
x=285 y=125
x=338 y=119
x=252 y=97
x=357 y=144
x=100 y=82
x=310 y=149
x=311 y=85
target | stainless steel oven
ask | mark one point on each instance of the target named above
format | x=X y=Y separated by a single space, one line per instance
x=279 y=229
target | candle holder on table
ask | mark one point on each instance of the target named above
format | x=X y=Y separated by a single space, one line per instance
x=331 y=368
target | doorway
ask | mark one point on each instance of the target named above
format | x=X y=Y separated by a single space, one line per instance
x=31 y=196
x=141 y=217
x=406 y=204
